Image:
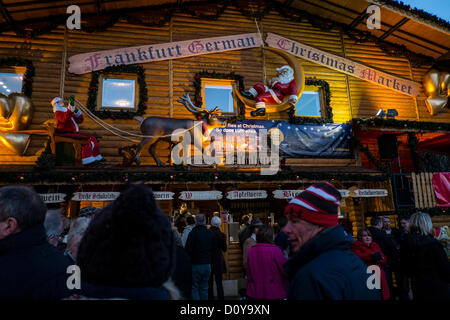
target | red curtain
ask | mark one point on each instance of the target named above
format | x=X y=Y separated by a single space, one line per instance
x=441 y=186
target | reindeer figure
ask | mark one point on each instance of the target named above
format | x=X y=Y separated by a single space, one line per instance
x=161 y=128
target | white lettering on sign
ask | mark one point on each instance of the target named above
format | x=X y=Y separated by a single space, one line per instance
x=52 y=197
x=246 y=194
x=286 y=194
x=369 y=193
x=95 y=196
x=200 y=195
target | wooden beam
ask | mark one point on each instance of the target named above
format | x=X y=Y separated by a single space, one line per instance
x=359 y=19
x=391 y=30
x=6 y=15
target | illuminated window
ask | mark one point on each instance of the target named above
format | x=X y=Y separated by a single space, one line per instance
x=10 y=82
x=310 y=104
x=118 y=92
x=219 y=93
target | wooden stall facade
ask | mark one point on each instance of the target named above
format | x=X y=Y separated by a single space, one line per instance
x=401 y=49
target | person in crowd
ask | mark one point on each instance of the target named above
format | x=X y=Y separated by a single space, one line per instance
x=54 y=226
x=128 y=250
x=347 y=229
x=323 y=266
x=176 y=235
x=190 y=220
x=387 y=246
x=251 y=240
x=394 y=233
x=182 y=274
x=244 y=223
x=281 y=239
x=218 y=266
x=77 y=229
x=371 y=254
x=424 y=260
x=199 y=246
x=266 y=279
x=30 y=267
x=404 y=227
x=88 y=212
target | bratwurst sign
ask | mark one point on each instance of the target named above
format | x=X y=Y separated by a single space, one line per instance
x=88 y=62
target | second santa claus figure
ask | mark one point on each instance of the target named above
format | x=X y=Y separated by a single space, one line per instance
x=67 y=121
x=279 y=87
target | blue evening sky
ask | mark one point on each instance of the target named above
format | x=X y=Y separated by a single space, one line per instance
x=440 y=8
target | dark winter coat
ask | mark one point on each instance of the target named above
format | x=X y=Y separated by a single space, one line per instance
x=387 y=246
x=31 y=268
x=199 y=245
x=326 y=269
x=182 y=274
x=424 y=260
x=220 y=245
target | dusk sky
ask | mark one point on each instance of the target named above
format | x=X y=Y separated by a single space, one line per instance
x=440 y=8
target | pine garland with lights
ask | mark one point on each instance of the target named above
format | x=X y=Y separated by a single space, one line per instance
x=122 y=114
x=46 y=160
x=436 y=211
x=328 y=118
x=27 y=82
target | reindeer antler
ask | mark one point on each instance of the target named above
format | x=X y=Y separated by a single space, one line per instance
x=186 y=101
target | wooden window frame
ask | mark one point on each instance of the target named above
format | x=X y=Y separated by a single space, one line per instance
x=124 y=76
x=220 y=82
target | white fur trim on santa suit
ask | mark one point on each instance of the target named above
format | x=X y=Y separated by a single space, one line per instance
x=253 y=92
x=78 y=113
x=260 y=105
x=62 y=109
x=76 y=125
x=274 y=96
x=293 y=97
x=91 y=159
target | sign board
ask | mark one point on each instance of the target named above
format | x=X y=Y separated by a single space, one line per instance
x=95 y=196
x=163 y=195
x=246 y=194
x=370 y=193
x=200 y=195
x=286 y=194
x=53 y=197
x=344 y=65
x=364 y=193
x=88 y=62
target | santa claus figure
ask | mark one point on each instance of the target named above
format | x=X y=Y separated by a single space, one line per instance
x=279 y=87
x=67 y=121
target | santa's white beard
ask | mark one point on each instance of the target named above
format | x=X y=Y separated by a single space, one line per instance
x=282 y=79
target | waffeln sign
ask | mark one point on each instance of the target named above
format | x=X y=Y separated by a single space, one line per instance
x=200 y=195
x=88 y=62
x=347 y=66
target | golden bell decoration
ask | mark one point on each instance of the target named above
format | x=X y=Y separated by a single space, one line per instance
x=436 y=85
x=16 y=112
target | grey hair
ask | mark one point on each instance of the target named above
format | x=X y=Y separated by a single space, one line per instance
x=22 y=203
x=200 y=219
x=77 y=229
x=53 y=222
x=421 y=223
x=215 y=221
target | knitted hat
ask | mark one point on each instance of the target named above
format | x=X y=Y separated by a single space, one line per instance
x=318 y=204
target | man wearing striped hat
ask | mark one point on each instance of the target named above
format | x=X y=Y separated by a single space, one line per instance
x=323 y=266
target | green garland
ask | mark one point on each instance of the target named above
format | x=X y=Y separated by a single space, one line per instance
x=370 y=156
x=198 y=101
x=328 y=118
x=436 y=211
x=93 y=91
x=27 y=82
x=46 y=160
x=286 y=174
x=401 y=124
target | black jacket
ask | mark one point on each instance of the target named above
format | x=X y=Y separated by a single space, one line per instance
x=199 y=245
x=219 y=245
x=387 y=246
x=31 y=268
x=182 y=273
x=424 y=260
x=326 y=269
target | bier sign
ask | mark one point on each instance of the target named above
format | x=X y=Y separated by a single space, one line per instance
x=247 y=194
x=286 y=194
x=95 y=196
x=200 y=195
x=163 y=195
x=53 y=197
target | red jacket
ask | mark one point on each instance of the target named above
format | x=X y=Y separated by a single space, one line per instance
x=288 y=89
x=66 y=120
x=365 y=252
x=266 y=278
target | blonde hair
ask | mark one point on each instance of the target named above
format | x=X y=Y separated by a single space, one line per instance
x=420 y=223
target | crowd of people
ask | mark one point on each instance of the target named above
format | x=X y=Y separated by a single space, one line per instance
x=132 y=250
